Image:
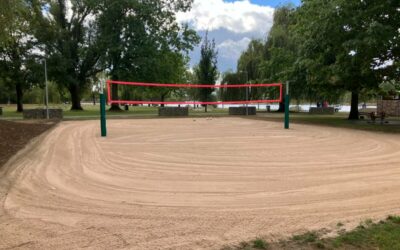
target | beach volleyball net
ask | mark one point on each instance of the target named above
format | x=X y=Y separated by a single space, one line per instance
x=139 y=93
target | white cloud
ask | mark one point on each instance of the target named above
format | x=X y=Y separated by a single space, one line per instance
x=231 y=49
x=378 y=64
x=352 y=53
x=238 y=17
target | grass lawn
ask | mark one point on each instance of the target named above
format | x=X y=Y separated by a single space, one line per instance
x=89 y=112
x=92 y=112
x=337 y=120
x=383 y=235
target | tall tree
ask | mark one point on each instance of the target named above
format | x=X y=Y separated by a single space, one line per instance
x=344 y=42
x=250 y=60
x=207 y=71
x=144 y=42
x=281 y=55
x=18 y=63
x=232 y=94
x=67 y=30
x=249 y=67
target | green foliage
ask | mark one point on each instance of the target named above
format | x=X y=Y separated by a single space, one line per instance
x=384 y=235
x=390 y=88
x=250 y=70
x=232 y=94
x=250 y=61
x=36 y=95
x=325 y=48
x=276 y=60
x=19 y=66
x=143 y=42
x=70 y=43
x=369 y=235
x=207 y=71
x=130 y=39
x=260 y=244
x=344 y=43
x=280 y=46
x=4 y=92
x=307 y=237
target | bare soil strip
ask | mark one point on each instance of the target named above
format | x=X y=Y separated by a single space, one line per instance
x=15 y=135
x=193 y=183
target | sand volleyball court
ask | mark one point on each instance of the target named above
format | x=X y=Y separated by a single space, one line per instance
x=192 y=183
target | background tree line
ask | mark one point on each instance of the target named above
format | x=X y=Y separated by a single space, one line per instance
x=322 y=48
x=128 y=39
x=327 y=48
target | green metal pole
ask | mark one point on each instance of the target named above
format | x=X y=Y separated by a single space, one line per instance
x=103 y=115
x=287 y=106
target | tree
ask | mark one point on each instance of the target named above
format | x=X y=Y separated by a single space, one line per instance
x=70 y=40
x=191 y=78
x=144 y=42
x=18 y=64
x=4 y=91
x=276 y=60
x=250 y=60
x=232 y=94
x=207 y=71
x=345 y=42
x=170 y=68
x=249 y=67
x=390 y=88
x=281 y=55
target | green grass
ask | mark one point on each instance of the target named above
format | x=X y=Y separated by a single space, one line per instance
x=338 y=120
x=308 y=237
x=369 y=235
x=254 y=245
x=260 y=244
x=384 y=235
x=89 y=111
x=92 y=112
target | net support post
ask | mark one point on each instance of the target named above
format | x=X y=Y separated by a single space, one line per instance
x=103 y=123
x=287 y=106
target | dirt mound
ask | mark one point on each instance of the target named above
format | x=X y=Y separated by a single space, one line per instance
x=15 y=135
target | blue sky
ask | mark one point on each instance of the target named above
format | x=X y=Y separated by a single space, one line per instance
x=232 y=23
x=272 y=3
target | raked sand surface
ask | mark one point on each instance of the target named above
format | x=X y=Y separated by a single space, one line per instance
x=192 y=183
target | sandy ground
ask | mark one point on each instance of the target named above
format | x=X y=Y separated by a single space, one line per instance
x=192 y=183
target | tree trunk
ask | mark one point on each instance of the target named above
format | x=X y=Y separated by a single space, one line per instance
x=75 y=97
x=205 y=100
x=114 y=92
x=94 y=99
x=20 y=94
x=162 y=99
x=281 y=106
x=354 y=114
